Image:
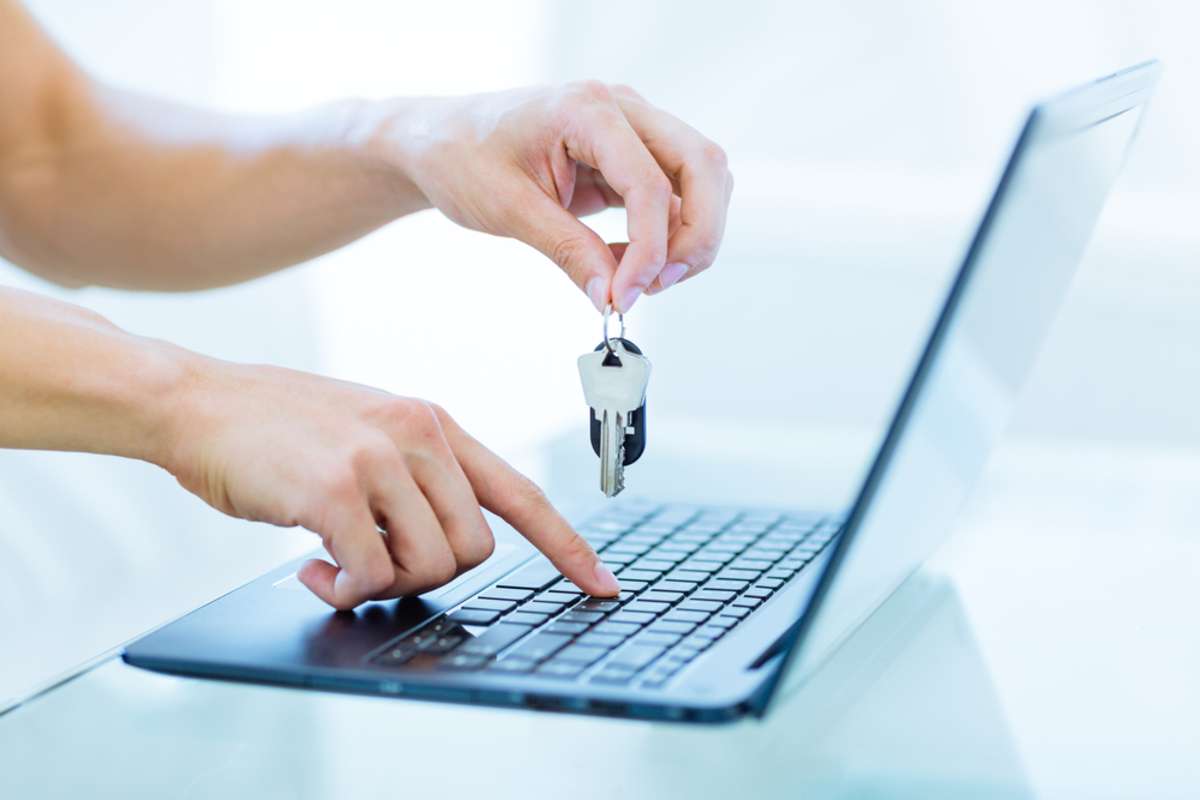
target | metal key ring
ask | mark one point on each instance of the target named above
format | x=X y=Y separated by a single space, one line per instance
x=621 y=318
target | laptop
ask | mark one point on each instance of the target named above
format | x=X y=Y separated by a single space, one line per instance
x=723 y=608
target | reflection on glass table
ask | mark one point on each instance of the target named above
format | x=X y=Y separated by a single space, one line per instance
x=905 y=708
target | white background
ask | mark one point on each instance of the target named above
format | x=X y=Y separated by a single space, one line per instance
x=865 y=137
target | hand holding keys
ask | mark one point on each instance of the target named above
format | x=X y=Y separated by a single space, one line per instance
x=615 y=376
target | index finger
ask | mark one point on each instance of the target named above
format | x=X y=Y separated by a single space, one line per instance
x=605 y=141
x=519 y=502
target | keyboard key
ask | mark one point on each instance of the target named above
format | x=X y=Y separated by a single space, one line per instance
x=756 y=565
x=622 y=629
x=696 y=565
x=608 y=640
x=494 y=639
x=671 y=626
x=754 y=591
x=618 y=558
x=734 y=611
x=768 y=583
x=539 y=607
x=699 y=640
x=538 y=575
x=684 y=577
x=540 y=646
x=522 y=618
x=569 y=628
x=630 y=585
x=726 y=586
x=512 y=665
x=600 y=604
x=581 y=654
x=637 y=575
x=471 y=616
x=700 y=605
x=715 y=595
x=647 y=606
x=681 y=615
x=613 y=675
x=715 y=628
x=746 y=602
x=722 y=621
x=394 y=657
x=463 y=661
x=636 y=656
x=587 y=617
x=656 y=595
x=502 y=606
x=497 y=593
x=633 y=617
x=556 y=599
x=738 y=574
x=636 y=548
x=661 y=638
x=560 y=669
x=650 y=565
x=708 y=556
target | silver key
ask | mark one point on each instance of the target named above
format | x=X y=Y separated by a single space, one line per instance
x=613 y=392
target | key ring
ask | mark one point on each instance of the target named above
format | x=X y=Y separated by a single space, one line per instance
x=621 y=318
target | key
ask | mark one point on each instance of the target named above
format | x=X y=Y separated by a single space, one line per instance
x=614 y=378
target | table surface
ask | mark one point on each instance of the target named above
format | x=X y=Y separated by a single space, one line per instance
x=1048 y=650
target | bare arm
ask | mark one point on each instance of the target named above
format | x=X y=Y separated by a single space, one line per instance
x=101 y=186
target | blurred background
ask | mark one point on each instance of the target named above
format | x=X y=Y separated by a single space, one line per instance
x=865 y=138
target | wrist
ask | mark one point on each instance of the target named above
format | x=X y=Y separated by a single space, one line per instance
x=393 y=138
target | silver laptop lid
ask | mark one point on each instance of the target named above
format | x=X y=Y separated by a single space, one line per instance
x=997 y=313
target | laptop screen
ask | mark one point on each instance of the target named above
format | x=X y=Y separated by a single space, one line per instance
x=997 y=313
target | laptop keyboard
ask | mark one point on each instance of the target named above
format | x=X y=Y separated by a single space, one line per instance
x=688 y=576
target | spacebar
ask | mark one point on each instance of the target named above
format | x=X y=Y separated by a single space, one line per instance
x=538 y=575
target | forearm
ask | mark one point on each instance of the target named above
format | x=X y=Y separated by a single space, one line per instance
x=71 y=380
x=99 y=186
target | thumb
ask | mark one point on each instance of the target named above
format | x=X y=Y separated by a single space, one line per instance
x=556 y=233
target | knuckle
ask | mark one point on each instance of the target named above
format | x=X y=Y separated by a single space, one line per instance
x=714 y=155
x=338 y=484
x=590 y=91
x=625 y=91
x=371 y=455
x=568 y=252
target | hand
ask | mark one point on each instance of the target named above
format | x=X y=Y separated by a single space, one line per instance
x=392 y=485
x=526 y=163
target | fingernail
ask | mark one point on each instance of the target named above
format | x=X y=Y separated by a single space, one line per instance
x=628 y=299
x=672 y=273
x=606 y=580
x=596 y=292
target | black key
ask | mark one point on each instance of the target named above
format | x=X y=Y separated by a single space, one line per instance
x=522 y=618
x=661 y=638
x=556 y=669
x=637 y=575
x=601 y=604
x=622 y=629
x=494 y=639
x=633 y=617
x=463 y=661
x=734 y=611
x=608 y=640
x=746 y=602
x=581 y=654
x=636 y=656
x=587 y=617
x=540 y=646
x=475 y=616
x=502 y=606
x=715 y=595
x=650 y=565
x=538 y=575
x=569 y=628
x=672 y=626
x=512 y=665
x=726 y=586
x=756 y=565
x=496 y=593
x=444 y=644
x=539 y=607
x=646 y=606
x=738 y=574
x=658 y=596
x=681 y=615
x=613 y=675
x=699 y=605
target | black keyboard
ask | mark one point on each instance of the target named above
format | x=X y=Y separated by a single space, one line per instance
x=688 y=576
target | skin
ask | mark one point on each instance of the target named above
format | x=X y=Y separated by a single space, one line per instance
x=104 y=187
